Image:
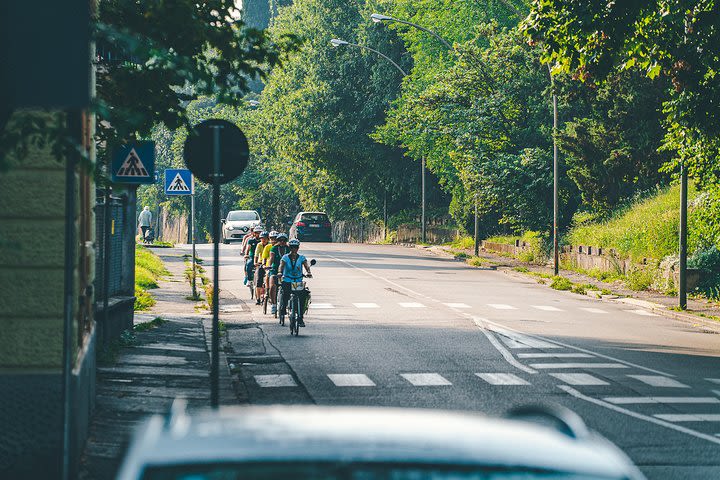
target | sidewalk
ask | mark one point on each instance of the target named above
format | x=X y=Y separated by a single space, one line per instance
x=647 y=299
x=148 y=371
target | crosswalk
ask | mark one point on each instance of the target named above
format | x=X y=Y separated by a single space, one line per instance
x=366 y=305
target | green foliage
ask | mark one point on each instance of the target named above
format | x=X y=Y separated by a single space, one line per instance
x=561 y=283
x=640 y=278
x=463 y=243
x=143 y=299
x=521 y=269
x=145 y=326
x=144 y=278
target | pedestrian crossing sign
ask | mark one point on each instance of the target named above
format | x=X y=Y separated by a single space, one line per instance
x=134 y=163
x=179 y=182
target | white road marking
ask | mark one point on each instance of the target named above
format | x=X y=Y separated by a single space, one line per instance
x=554 y=355
x=425 y=379
x=411 y=305
x=639 y=416
x=547 y=308
x=321 y=306
x=713 y=380
x=501 y=306
x=480 y=322
x=275 y=381
x=593 y=310
x=518 y=340
x=689 y=417
x=579 y=379
x=637 y=400
x=644 y=313
x=351 y=380
x=659 y=381
x=502 y=379
x=542 y=366
x=457 y=305
x=366 y=305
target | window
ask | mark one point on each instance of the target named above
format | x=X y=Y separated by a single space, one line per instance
x=243 y=216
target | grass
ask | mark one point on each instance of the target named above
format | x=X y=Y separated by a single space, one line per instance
x=463 y=243
x=561 y=283
x=477 y=261
x=521 y=269
x=154 y=323
x=144 y=278
x=148 y=270
x=143 y=299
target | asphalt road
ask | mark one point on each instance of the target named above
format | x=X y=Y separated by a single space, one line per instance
x=395 y=326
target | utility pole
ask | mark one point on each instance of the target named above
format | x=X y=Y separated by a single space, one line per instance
x=556 y=252
x=192 y=239
x=477 y=228
x=682 y=288
x=422 y=220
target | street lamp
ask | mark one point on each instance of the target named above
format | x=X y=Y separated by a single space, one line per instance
x=379 y=18
x=336 y=42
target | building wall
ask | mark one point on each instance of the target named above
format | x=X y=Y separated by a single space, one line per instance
x=32 y=266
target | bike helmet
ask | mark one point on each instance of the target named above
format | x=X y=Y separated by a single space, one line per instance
x=258 y=229
x=273 y=234
x=282 y=236
x=264 y=234
x=294 y=243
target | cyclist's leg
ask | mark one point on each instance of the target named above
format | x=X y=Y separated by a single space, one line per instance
x=284 y=296
x=301 y=307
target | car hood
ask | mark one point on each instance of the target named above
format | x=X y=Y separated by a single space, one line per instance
x=242 y=223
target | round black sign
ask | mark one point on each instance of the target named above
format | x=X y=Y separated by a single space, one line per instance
x=234 y=151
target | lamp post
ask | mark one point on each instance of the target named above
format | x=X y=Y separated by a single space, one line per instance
x=336 y=42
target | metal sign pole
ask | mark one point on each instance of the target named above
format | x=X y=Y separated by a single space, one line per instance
x=192 y=238
x=215 y=355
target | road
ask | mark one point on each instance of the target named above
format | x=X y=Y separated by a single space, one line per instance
x=395 y=326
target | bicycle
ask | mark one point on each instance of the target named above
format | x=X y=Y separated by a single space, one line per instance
x=294 y=306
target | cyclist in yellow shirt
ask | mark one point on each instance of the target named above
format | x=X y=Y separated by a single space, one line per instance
x=259 y=268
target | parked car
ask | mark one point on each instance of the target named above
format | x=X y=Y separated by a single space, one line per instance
x=238 y=223
x=311 y=226
x=333 y=443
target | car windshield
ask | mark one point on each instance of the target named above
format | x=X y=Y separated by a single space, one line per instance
x=243 y=216
x=314 y=217
x=352 y=472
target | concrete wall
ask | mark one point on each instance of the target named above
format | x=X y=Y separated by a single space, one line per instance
x=32 y=236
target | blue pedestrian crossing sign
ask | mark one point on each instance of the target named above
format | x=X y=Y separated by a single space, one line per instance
x=179 y=182
x=134 y=163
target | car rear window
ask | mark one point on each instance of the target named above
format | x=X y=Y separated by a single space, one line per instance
x=314 y=217
x=243 y=216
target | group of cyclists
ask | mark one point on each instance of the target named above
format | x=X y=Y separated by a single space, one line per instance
x=271 y=263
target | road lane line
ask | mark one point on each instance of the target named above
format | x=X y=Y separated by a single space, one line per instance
x=524 y=340
x=547 y=308
x=351 y=380
x=269 y=381
x=689 y=417
x=322 y=306
x=639 y=400
x=411 y=305
x=554 y=355
x=541 y=366
x=426 y=379
x=593 y=310
x=643 y=313
x=501 y=306
x=639 y=416
x=457 y=305
x=366 y=305
x=713 y=380
x=579 y=379
x=659 y=381
x=480 y=322
x=502 y=379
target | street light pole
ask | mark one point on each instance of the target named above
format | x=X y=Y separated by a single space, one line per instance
x=422 y=224
x=336 y=42
x=556 y=207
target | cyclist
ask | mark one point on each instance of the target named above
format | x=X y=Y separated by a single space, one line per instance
x=276 y=253
x=265 y=258
x=291 y=270
x=259 y=267
x=248 y=250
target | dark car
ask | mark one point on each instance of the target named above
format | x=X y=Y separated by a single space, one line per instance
x=311 y=226
x=313 y=443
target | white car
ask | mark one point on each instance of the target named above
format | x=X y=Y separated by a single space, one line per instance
x=312 y=443
x=238 y=224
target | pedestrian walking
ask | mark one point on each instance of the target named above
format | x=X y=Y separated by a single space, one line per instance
x=145 y=221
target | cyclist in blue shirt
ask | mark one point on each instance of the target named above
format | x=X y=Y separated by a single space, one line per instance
x=291 y=270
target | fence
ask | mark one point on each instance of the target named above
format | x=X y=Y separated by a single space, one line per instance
x=357 y=232
x=433 y=234
x=173 y=228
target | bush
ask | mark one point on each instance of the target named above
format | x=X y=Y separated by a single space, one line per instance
x=708 y=260
x=579 y=289
x=209 y=294
x=143 y=299
x=640 y=279
x=144 y=278
x=561 y=283
x=463 y=243
x=477 y=261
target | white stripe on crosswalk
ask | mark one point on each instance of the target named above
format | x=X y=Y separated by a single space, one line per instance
x=644 y=313
x=275 y=381
x=659 y=381
x=425 y=379
x=689 y=417
x=517 y=340
x=593 y=310
x=637 y=400
x=457 y=305
x=554 y=355
x=412 y=305
x=501 y=306
x=547 y=308
x=502 y=379
x=713 y=380
x=366 y=305
x=351 y=380
x=579 y=379
x=321 y=305
x=541 y=366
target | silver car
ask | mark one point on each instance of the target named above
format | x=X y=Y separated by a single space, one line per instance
x=329 y=443
x=238 y=224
